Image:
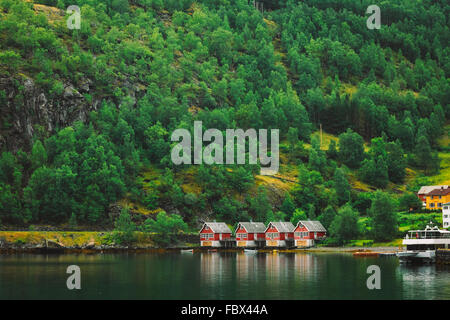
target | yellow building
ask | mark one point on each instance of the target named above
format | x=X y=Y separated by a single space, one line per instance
x=437 y=197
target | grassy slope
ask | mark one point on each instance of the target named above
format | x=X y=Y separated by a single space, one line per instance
x=287 y=176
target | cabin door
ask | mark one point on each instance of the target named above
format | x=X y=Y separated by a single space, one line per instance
x=220 y=236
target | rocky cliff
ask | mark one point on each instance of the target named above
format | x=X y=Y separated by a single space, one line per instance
x=27 y=110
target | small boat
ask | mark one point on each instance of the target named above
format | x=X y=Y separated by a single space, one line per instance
x=187 y=251
x=250 y=251
x=365 y=254
x=417 y=256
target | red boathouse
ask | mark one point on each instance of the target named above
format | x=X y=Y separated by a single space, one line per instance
x=250 y=234
x=307 y=232
x=279 y=234
x=214 y=234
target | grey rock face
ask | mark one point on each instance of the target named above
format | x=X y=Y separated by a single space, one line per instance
x=26 y=107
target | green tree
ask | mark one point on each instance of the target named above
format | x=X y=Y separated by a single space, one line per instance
x=288 y=205
x=424 y=157
x=327 y=217
x=351 y=148
x=260 y=205
x=383 y=218
x=311 y=212
x=10 y=60
x=375 y=172
x=409 y=201
x=341 y=186
x=73 y=221
x=396 y=162
x=166 y=228
x=345 y=225
x=298 y=215
x=11 y=210
x=38 y=155
x=332 y=152
x=125 y=229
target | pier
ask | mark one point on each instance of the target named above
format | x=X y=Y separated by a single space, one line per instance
x=443 y=256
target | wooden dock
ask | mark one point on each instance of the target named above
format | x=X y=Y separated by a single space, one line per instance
x=443 y=256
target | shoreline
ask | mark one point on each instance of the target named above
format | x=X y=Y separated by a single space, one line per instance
x=98 y=242
x=132 y=249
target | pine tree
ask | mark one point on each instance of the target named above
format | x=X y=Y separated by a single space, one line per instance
x=424 y=157
x=383 y=218
x=396 y=162
x=38 y=155
x=73 y=221
x=288 y=205
x=345 y=225
x=326 y=218
x=351 y=148
x=341 y=186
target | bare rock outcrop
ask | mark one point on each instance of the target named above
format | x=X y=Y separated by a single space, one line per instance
x=26 y=108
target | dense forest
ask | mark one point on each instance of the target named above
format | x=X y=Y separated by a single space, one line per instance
x=143 y=68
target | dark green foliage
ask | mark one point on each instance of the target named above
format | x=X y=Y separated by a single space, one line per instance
x=159 y=65
x=260 y=207
x=311 y=212
x=332 y=152
x=383 y=217
x=327 y=217
x=310 y=190
x=396 y=162
x=386 y=162
x=125 y=228
x=351 y=148
x=166 y=228
x=344 y=226
x=341 y=186
x=424 y=157
x=375 y=172
x=409 y=201
x=363 y=202
x=288 y=206
x=38 y=155
x=228 y=210
x=277 y=216
x=11 y=210
x=298 y=215
x=73 y=221
x=317 y=160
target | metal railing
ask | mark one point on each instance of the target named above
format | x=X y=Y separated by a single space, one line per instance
x=427 y=236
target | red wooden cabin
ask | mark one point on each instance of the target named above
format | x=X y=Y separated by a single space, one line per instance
x=250 y=234
x=279 y=234
x=307 y=232
x=214 y=234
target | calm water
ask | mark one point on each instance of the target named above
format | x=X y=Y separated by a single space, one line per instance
x=218 y=276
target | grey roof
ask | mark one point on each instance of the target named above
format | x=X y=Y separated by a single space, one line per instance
x=282 y=226
x=218 y=227
x=313 y=226
x=253 y=227
x=427 y=189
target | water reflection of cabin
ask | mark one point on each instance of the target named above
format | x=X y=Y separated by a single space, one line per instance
x=250 y=234
x=307 y=232
x=215 y=234
x=280 y=234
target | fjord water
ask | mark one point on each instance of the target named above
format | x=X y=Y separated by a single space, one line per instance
x=218 y=276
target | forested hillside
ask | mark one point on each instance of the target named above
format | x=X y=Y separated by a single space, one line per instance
x=87 y=115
